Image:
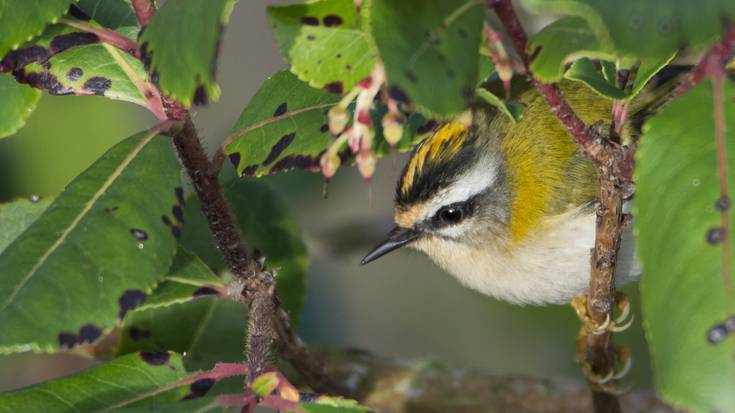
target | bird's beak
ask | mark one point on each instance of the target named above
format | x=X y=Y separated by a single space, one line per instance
x=397 y=238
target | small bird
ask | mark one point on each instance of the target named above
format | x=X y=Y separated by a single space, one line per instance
x=509 y=208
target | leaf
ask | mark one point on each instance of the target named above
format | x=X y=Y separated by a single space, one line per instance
x=207 y=331
x=584 y=70
x=646 y=71
x=20 y=20
x=97 y=69
x=430 y=49
x=188 y=278
x=266 y=224
x=109 y=13
x=514 y=111
x=98 y=247
x=198 y=405
x=182 y=41
x=321 y=41
x=18 y=215
x=117 y=383
x=17 y=102
x=284 y=126
x=329 y=404
x=559 y=43
x=682 y=287
x=646 y=28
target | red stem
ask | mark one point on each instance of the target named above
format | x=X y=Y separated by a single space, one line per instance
x=107 y=36
x=719 y=102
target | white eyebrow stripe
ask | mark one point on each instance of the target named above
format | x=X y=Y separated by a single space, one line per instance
x=471 y=183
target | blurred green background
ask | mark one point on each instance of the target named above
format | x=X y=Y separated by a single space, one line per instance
x=402 y=305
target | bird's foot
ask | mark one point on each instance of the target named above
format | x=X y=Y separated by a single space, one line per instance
x=607 y=382
x=621 y=323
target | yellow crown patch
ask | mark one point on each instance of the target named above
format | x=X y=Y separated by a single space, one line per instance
x=443 y=145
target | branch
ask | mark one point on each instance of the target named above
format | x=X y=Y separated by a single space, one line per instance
x=257 y=284
x=614 y=167
x=107 y=36
x=144 y=10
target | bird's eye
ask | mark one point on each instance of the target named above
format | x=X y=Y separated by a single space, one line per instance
x=450 y=214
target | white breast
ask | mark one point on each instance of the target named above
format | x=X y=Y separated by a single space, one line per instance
x=552 y=266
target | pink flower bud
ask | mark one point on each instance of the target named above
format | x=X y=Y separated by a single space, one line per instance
x=366 y=161
x=393 y=127
x=338 y=118
x=329 y=162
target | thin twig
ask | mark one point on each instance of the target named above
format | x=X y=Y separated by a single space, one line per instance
x=144 y=11
x=107 y=36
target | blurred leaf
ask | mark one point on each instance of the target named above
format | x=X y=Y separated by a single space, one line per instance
x=17 y=102
x=189 y=277
x=646 y=28
x=328 y=404
x=182 y=42
x=586 y=71
x=430 y=49
x=514 y=111
x=20 y=20
x=95 y=69
x=559 y=43
x=207 y=330
x=92 y=251
x=18 y=215
x=198 y=405
x=109 y=13
x=321 y=41
x=266 y=224
x=675 y=207
x=415 y=130
x=646 y=71
x=284 y=126
x=117 y=383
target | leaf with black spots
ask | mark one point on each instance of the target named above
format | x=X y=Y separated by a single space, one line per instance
x=676 y=207
x=188 y=278
x=281 y=127
x=71 y=265
x=642 y=29
x=109 y=13
x=20 y=20
x=17 y=102
x=266 y=224
x=430 y=49
x=181 y=43
x=207 y=331
x=95 y=69
x=322 y=42
x=125 y=381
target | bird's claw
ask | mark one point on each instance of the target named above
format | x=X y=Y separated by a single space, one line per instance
x=608 y=382
x=621 y=323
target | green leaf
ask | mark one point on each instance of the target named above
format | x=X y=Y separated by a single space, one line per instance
x=586 y=71
x=182 y=41
x=328 y=404
x=117 y=383
x=646 y=71
x=415 y=130
x=189 y=277
x=17 y=102
x=321 y=41
x=20 y=20
x=110 y=13
x=284 y=126
x=560 y=43
x=266 y=224
x=430 y=49
x=514 y=111
x=199 y=405
x=93 y=250
x=646 y=28
x=18 y=215
x=207 y=330
x=97 y=69
x=682 y=287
